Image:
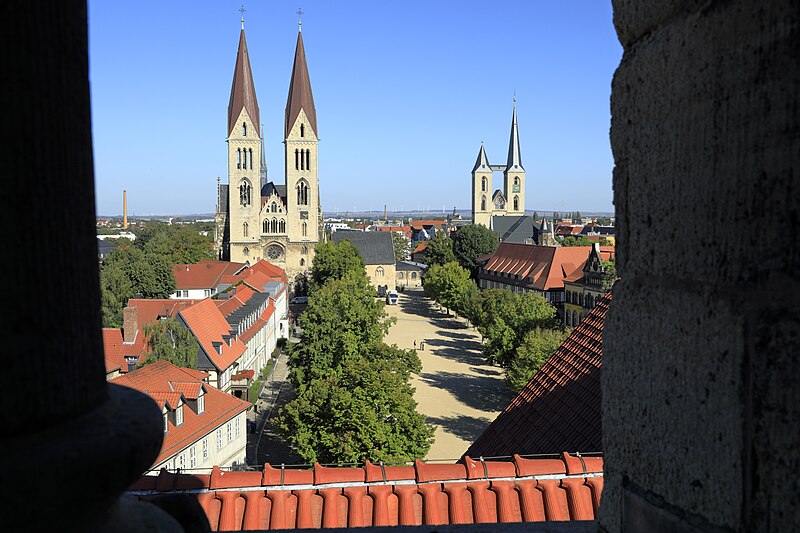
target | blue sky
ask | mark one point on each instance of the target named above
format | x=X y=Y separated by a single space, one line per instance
x=405 y=93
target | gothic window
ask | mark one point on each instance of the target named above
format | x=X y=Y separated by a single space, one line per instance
x=244 y=129
x=308 y=159
x=483 y=203
x=516 y=203
x=304 y=250
x=296 y=159
x=265 y=226
x=302 y=193
x=244 y=229
x=413 y=275
x=244 y=193
x=282 y=226
x=251 y=158
x=516 y=184
x=302 y=130
x=379 y=272
x=305 y=229
x=483 y=184
x=274 y=208
x=273 y=226
x=274 y=252
x=302 y=262
x=246 y=252
x=238 y=158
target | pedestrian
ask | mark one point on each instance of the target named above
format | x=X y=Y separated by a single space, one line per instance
x=415 y=344
x=422 y=345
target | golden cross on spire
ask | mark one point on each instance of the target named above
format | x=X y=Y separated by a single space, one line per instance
x=300 y=19
x=242 y=10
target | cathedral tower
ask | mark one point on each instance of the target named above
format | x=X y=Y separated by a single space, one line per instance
x=514 y=173
x=244 y=157
x=300 y=155
x=482 y=190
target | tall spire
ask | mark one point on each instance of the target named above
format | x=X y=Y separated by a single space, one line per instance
x=300 y=96
x=482 y=163
x=514 y=156
x=243 y=90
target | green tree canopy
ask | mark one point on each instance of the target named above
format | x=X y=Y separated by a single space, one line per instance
x=179 y=245
x=402 y=246
x=333 y=261
x=575 y=240
x=535 y=348
x=609 y=272
x=447 y=284
x=170 y=340
x=471 y=242
x=439 y=250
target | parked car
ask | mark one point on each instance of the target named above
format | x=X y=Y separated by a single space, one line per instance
x=382 y=290
x=299 y=300
x=392 y=297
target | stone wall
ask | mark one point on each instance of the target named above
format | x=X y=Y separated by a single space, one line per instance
x=700 y=378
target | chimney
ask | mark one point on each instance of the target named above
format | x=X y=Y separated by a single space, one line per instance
x=124 y=209
x=130 y=324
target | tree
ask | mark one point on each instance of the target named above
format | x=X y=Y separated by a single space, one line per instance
x=507 y=317
x=179 y=245
x=115 y=291
x=575 y=240
x=609 y=272
x=300 y=284
x=471 y=242
x=402 y=246
x=333 y=261
x=447 y=284
x=535 y=348
x=536 y=217
x=170 y=340
x=439 y=250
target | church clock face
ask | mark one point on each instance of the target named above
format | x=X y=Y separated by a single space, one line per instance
x=274 y=252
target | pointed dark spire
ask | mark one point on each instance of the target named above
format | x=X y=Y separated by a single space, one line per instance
x=300 y=96
x=482 y=162
x=243 y=90
x=514 y=155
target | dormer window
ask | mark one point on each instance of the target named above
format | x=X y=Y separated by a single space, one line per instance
x=179 y=415
x=201 y=403
x=166 y=422
x=244 y=129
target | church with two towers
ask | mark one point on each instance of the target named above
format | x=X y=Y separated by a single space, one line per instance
x=257 y=218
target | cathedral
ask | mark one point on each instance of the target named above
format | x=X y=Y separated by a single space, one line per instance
x=510 y=201
x=255 y=217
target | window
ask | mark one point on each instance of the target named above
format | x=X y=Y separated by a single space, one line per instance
x=483 y=203
x=219 y=439
x=192 y=457
x=282 y=226
x=166 y=423
x=273 y=226
x=305 y=229
x=304 y=250
x=182 y=461
x=201 y=404
x=229 y=431
x=205 y=448
x=238 y=427
x=206 y=292
x=302 y=262
x=245 y=229
x=246 y=251
x=251 y=158
x=413 y=275
x=302 y=130
x=516 y=184
x=302 y=193
x=265 y=226
x=516 y=203
x=244 y=193
x=179 y=415
x=296 y=159
x=399 y=275
x=244 y=129
x=483 y=184
x=379 y=272
x=308 y=159
x=274 y=207
x=238 y=158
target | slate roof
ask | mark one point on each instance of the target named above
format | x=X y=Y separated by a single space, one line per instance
x=409 y=265
x=300 y=96
x=559 y=408
x=243 y=90
x=375 y=247
x=515 y=229
x=165 y=382
x=564 y=487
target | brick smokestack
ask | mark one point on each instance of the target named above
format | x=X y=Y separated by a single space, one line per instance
x=130 y=324
x=124 y=209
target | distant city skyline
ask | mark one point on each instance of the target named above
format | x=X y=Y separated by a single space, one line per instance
x=404 y=98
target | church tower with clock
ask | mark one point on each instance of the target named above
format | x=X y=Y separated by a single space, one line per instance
x=257 y=218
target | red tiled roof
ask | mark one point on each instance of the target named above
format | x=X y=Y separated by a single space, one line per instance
x=420 y=247
x=116 y=350
x=568 y=229
x=206 y=274
x=559 y=408
x=155 y=380
x=546 y=265
x=469 y=492
x=151 y=310
x=208 y=326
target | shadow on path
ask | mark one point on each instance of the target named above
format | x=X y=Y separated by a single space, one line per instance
x=467 y=428
x=481 y=394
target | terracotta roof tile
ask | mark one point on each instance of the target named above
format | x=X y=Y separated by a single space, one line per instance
x=209 y=327
x=559 y=408
x=204 y=275
x=548 y=266
x=474 y=491
x=159 y=380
